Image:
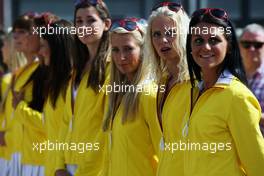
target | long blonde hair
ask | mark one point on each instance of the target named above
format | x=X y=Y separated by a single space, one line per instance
x=130 y=99
x=15 y=61
x=151 y=57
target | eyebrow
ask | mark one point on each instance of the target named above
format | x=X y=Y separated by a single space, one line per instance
x=89 y=16
x=152 y=31
x=197 y=35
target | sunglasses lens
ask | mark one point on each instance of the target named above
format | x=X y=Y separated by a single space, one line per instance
x=198 y=12
x=171 y=5
x=256 y=45
x=218 y=13
x=77 y=2
x=155 y=7
x=245 y=45
x=143 y=22
x=93 y=2
x=130 y=25
x=174 y=7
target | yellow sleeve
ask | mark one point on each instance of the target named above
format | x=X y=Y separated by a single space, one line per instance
x=243 y=123
x=6 y=79
x=150 y=114
x=2 y=122
x=85 y=168
x=64 y=129
x=29 y=117
x=60 y=159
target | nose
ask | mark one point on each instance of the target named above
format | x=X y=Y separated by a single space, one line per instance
x=15 y=35
x=40 y=52
x=251 y=48
x=207 y=46
x=121 y=56
x=165 y=39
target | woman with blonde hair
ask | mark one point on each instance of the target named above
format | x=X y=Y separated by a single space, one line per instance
x=26 y=84
x=11 y=57
x=13 y=60
x=133 y=132
x=165 y=54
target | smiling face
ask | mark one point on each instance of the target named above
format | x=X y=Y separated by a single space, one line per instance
x=162 y=40
x=209 y=49
x=125 y=53
x=89 y=25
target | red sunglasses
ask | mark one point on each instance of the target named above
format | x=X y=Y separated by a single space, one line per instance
x=173 y=6
x=129 y=24
x=214 y=12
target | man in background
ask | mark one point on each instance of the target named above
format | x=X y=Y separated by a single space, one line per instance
x=252 y=50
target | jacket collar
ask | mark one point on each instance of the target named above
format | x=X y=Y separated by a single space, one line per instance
x=223 y=80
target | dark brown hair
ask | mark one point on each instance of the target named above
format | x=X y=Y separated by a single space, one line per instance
x=98 y=64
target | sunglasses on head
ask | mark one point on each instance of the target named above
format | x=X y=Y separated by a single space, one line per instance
x=31 y=14
x=173 y=6
x=249 y=44
x=213 y=12
x=92 y=2
x=129 y=24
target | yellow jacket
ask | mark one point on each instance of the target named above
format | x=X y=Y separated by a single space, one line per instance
x=173 y=111
x=133 y=146
x=43 y=129
x=14 y=129
x=34 y=134
x=6 y=80
x=224 y=128
x=52 y=121
x=81 y=128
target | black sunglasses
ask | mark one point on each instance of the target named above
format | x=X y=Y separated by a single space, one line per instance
x=173 y=6
x=249 y=44
x=92 y=2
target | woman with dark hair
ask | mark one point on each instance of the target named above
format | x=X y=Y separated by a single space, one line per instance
x=28 y=44
x=224 y=115
x=56 y=52
x=27 y=84
x=84 y=100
